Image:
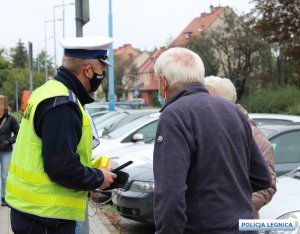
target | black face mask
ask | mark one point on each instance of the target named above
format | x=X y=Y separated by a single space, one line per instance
x=96 y=81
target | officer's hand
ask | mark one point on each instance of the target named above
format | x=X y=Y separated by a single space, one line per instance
x=108 y=178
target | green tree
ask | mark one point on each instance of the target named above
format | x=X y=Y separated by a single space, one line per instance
x=205 y=48
x=22 y=77
x=39 y=63
x=125 y=72
x=5 y=66
x=239 y=53
x=278 y=23
x=19 y=55
x=4 y=62
x=15 y=74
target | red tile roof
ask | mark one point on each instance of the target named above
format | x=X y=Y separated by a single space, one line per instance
x=123 y=49
x=198 y=25
x=148 y=65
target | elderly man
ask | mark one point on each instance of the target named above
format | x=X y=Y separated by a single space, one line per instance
x=206 y=162
x=223 y=87
x=50 y=174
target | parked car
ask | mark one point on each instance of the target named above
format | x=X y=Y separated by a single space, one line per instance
x=99 y=106
x=137 y=103
x=140 y=129
x=285 y=203
x=272 y=119
x=286 y=143
x=135 y=200
x=108 y=122
x=139 y=153
x=105 y=121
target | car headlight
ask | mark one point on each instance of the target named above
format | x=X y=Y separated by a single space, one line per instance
x=142 y=186
x=292 y=215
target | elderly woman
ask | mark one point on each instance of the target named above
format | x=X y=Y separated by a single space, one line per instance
x=223 y=87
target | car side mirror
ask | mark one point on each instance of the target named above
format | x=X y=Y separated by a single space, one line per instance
x=137 y=137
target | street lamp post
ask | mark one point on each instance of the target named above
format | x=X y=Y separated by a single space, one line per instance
x=111 y=89
x=46 y=62
x=54 y=30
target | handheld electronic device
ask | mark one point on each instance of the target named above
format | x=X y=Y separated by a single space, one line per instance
x=121 y=166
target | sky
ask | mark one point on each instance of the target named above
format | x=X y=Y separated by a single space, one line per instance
x=145 y=24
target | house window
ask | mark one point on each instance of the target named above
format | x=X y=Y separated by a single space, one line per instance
x=187 y=35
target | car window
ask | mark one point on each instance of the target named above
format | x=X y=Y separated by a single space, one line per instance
x=287 y=147
x=148 y=131
x=129 y=127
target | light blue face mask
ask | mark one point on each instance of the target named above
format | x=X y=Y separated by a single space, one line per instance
x=162 y=101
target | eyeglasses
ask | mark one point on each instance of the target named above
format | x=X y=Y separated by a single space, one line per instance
x=103 y=57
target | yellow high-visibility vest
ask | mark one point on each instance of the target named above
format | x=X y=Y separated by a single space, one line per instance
x=28 y=187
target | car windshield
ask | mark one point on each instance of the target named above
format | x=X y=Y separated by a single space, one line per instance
x=109 y=122
x=100 y=118
x=129 y=127
x=265 y=121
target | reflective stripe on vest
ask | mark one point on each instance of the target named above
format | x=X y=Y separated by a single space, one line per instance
x=28 y=187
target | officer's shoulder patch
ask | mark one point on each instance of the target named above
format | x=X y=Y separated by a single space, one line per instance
x=72 y=97
x=60 y=100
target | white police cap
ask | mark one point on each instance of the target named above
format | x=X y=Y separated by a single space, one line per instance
x=87 y=47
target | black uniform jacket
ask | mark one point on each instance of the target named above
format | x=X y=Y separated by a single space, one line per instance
x=58 y=121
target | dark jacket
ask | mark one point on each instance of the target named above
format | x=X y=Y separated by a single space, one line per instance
x=9 y=128
x=206 y=165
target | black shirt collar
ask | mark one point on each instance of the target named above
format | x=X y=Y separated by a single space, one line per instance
x=66 y=77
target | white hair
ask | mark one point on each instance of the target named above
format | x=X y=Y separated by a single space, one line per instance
x=222 y=87
x=179 y=65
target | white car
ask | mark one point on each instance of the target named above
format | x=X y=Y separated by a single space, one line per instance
x=141 y=129
x=139 y=153
x=264 y=118
x=285 y=203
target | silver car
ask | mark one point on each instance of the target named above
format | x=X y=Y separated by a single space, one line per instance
x=285 y=204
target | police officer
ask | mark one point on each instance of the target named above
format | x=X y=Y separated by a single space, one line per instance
x=50 y=173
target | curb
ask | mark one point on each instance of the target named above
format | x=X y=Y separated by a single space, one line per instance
x=98 y=222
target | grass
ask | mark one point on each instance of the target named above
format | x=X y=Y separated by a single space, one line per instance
x=111 y=213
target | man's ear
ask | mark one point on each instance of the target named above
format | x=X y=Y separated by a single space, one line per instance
x=86 y=71
x=163 y=81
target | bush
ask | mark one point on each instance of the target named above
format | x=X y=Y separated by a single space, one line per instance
x=283 y=100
